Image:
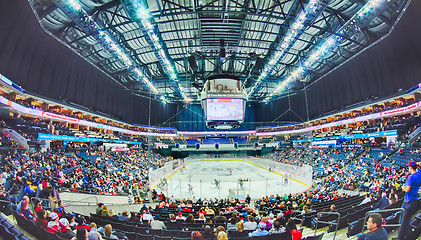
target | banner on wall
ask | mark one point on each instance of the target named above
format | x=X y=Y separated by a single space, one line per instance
x=42 y=136
x=115 y=146
x=392 y=133
x=324 y=143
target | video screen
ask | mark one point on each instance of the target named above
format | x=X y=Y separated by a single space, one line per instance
x=224 y=109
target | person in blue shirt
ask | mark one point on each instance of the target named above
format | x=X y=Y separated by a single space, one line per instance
x=383 y=202
x=20 y=203
x=260 y=231
x=374 y=225
x=410 y=203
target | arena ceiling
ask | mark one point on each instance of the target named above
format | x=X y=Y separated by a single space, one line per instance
x=167 y=48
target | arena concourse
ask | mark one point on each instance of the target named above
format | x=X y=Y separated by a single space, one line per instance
x=210 y=120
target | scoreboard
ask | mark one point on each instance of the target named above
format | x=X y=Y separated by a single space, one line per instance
x=223 y=100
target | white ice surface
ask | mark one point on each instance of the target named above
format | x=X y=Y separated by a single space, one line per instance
x=202 y=174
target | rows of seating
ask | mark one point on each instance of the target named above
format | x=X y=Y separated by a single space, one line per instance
x=143 y=227
x=216 y=140
x=210 y=141
x=127 y=137
x=28 y=129
x=342 y=205
x=166 y=141
x=192 y=141
x=10 y=232
x=103 y=135
x=7 y=141
x=179 y=140
x=401 y=158
x=266 y=140
x=140 y=231
x=415 y=227
x=367 y=162
x=355 y=225
x=345 y=157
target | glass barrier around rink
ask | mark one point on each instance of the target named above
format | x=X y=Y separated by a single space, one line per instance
x=229 y=176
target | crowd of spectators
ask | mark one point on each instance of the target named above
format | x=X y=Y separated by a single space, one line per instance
x=96 y=171
x=90 y=170
x=7 y=141
x=294 y=156
x=378 y=125
x=57 y=110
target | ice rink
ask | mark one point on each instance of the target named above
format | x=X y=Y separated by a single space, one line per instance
x=221 y=179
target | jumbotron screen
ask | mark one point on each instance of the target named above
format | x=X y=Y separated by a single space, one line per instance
x=231 y=109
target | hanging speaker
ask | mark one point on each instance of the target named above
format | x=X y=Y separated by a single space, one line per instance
x=221 y=43
x=192 y=63
x=222 y=53
x=222 y=50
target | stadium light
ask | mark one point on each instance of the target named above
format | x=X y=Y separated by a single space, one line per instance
x=139 y=12
x=311 y=11
x=331 y=43
x=75 y=5
x=163 y=100
x=75 y=11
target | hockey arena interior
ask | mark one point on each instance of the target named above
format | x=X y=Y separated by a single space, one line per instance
x=210 y=119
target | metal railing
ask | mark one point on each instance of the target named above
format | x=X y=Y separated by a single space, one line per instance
x=412 y=137
x=328 y=223
x=45 y=202
x=82 y=202
x=400 y=210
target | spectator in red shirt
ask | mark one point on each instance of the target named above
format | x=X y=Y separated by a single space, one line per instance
x=53 y=225
x=41 y=218
x=37 y=206
x=81 y=224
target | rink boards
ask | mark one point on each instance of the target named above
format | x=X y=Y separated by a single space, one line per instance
x=222 y=178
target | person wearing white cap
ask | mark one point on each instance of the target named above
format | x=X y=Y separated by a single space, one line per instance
x=65 y=230
x=261 y=231
x=271 y=218
x=53 y=225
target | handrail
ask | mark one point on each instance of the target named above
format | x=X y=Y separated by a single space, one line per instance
x=329 y=223
x=401 y=210
x=69 y=190
x=6 y=201
x=81 y=201
x=42 y=200
x=17 y=137
x=414 y=134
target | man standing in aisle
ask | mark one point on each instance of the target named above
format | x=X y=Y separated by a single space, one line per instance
x=410 y=203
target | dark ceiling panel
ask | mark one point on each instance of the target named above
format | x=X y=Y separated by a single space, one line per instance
x=42 y=65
